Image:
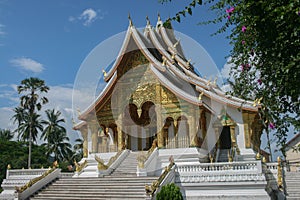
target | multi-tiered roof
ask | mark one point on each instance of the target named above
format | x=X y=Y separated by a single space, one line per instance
x=168 y=63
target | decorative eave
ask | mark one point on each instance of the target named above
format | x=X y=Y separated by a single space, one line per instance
x=203 y=86
x=132 y=32
x=79 y=125
x=192 y=77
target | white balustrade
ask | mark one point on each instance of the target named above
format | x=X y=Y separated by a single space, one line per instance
x=220 y=172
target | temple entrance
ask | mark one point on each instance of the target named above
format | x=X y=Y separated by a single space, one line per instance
x=140 y=126
x=225 y=139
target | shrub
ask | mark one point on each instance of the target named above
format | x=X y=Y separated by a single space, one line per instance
x=169 y=192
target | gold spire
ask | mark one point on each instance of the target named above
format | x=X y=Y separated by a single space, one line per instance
x=208 y=82
x=158 y=17
x=148 y=21
x=189 y=61
x=215 y=81
x=164 y=61
x=200 y=95
x=175 y=45
x=104 y=73
x=130 y=21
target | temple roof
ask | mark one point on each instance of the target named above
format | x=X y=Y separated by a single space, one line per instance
x=165 y=55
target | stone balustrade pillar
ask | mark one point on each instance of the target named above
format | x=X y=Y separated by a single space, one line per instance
x=84 y=134
x=94 y=130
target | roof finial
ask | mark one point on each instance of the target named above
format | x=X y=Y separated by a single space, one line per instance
x=175 y=45
x=215 y=81
x=158 y=19
x=148 y=21
x=200 y=96
x=130 y=21
x=104 y=73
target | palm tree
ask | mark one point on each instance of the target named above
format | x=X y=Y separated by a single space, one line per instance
x=18 y=118
x=78 y=149
x=56 y=136
x=30 y=126
x=59 y=146
x=30 y=101
x=6 y=135
x=52 y=125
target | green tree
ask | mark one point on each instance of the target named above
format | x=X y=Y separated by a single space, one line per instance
x=18 y=118
x=6 y=135
x=30 y=101
x=265 y=35
x=78 y=149
x=15 y=154
x=59 y=147
x=52 y=125
x=169 y=191
x=29 y=127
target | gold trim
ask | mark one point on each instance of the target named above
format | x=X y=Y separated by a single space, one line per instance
x=150 y=189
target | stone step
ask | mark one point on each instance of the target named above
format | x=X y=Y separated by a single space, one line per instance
x=90 y=196
x=121 y=184
x=100 y=190
x=94 y=192
x=100 y=184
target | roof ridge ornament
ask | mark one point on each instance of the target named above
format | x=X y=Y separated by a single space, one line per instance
x=175 y=45
x=200 y=96
x=215 y=81
x=148 y=21
x=104 y=73
x=130 y=21
x=164 y=61
x=158 y=17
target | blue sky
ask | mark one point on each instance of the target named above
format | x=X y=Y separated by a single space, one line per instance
x=50 y=40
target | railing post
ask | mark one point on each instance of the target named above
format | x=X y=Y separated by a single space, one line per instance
x=279 y=174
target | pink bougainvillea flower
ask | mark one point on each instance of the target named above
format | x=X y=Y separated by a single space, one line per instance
x=230 y=10
x=228 y=17
x=259 y=81
x=244 y=29
x=272 y=125
x=243 y=42
x=242 y=67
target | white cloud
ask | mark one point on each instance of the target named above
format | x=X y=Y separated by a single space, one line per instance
x=59 y=96
x=27 y=64
x=88 y=16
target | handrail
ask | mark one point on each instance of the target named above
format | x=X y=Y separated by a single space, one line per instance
x=102 y=165
x=113 y=163
x=220 y=167
x=37 y=183
x=80 y=167
x=150 y=189
x=33 y=181
x=143 y=160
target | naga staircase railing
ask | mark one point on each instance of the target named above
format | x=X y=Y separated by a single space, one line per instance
x=113 y=163
x=142 y=158
x=79 y=167
x=162 y=179
x=37 y=183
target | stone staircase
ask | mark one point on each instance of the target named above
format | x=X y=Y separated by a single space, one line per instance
x=128 y=166
x=89 y=188
x=223 y=155
x=121 y=184
x=292 y=180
